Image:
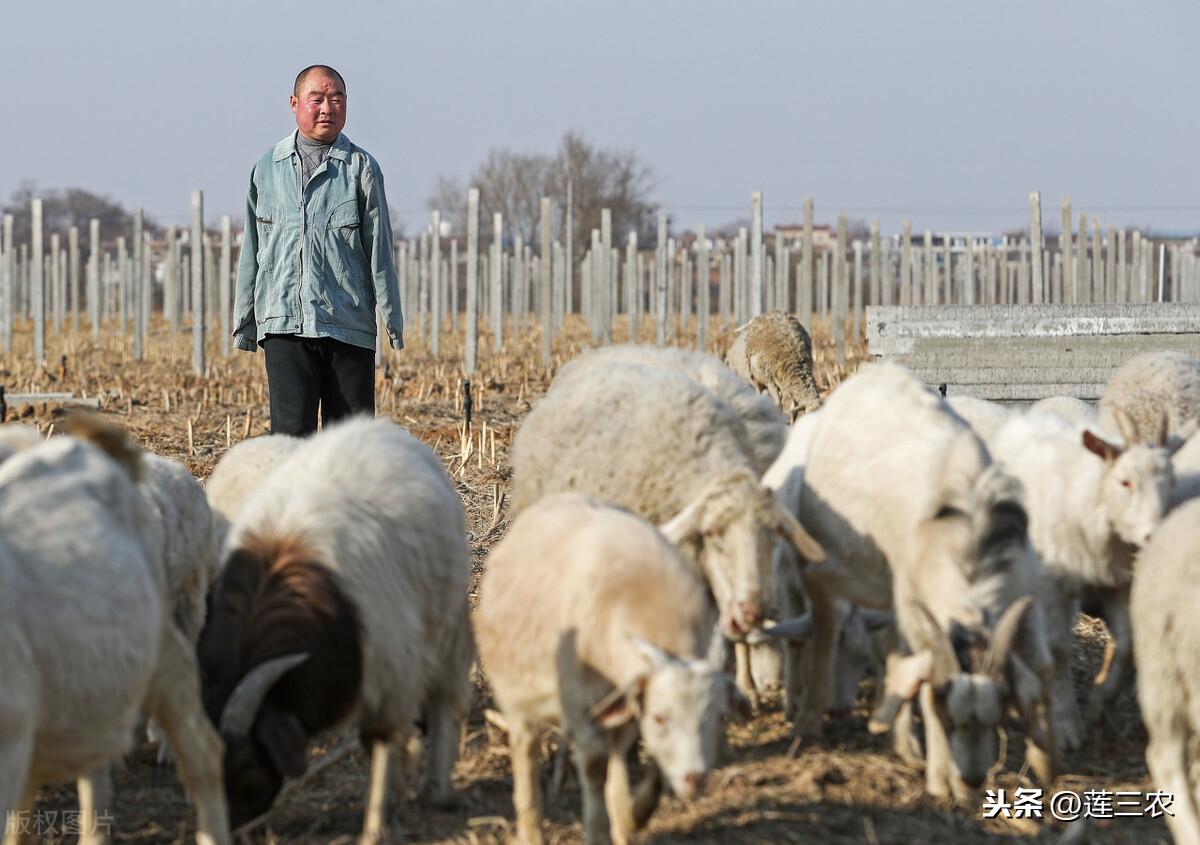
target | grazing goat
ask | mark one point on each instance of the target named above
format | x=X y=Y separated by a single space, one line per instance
x=343 y=597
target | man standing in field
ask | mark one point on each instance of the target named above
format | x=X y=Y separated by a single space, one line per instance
x=316 y=259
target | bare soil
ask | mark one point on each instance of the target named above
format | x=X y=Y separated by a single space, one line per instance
x=846 y=787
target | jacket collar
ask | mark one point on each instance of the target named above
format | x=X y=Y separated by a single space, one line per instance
x=287 y=147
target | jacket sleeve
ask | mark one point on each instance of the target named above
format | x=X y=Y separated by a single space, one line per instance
x=377 y=243
x=245 y=332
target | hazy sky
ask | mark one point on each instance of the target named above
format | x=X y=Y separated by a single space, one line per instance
x=947 y=112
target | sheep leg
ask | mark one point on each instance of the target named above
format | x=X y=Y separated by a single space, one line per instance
x=1118 y=653
x=174 y=700
x=820 y=678
x=1166 y=757
x=645 y=798
x=527 y=786
x=617 y=799
x=591 y=760
x=745 y=680
x=1058 y=609
x=374 y=825
x=444 y=721
x=95 y=793
x=16 y=796
x=940 y=780
x=904 y=738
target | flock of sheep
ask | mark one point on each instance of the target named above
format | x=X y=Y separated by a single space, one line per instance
x=669 y=525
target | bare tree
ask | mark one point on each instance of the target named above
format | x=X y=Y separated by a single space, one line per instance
x=514 y=183
x=71 y=207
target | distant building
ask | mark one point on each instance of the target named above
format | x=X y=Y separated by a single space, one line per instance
x=824 y=237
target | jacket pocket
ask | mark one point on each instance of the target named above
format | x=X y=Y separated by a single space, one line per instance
x=351 y=297
x=269 y=226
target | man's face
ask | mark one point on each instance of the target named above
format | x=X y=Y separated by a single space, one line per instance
x=321 y=107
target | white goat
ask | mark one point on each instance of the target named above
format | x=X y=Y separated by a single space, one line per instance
x=86 y=639
x=983 y=416
x=1091 y=502
x=1166 y=640
x=239 y=472
x=661 y=443
x=901 y=494
x=1148 y=388
x=614 y=650
x=343 y=596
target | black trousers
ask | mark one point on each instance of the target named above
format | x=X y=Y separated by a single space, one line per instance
x=304 y=372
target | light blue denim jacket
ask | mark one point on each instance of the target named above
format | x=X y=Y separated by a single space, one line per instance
x=347 y=266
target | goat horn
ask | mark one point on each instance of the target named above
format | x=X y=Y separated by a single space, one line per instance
x=874 y=619
x=242 y=706
x=796 y=628
x=792 y=531
x=945 y=663
x=679 y=527
x=1005 y=636
x=1125 y=426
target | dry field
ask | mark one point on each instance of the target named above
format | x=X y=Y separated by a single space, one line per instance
x=845 y=788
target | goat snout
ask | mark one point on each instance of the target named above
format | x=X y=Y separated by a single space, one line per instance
x=751 y=613
x=693 y=782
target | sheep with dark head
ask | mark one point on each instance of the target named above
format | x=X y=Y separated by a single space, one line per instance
x=343 y=597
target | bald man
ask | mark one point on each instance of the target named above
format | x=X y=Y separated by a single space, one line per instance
x=316 y=260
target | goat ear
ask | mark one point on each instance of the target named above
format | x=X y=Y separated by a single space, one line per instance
x=655 y=655
x=621 y=705
x=284 y=739
x=1025 y=690
x=901 y=682
x=1125 y=426
x=1100 y=447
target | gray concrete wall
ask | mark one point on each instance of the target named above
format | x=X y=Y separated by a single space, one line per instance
x=1023 y=353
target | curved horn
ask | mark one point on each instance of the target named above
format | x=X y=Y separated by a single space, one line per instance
x=791 y=530
x=685 y=523
x=1125 y=426
x=1005 y=636
x=945 y=662
x=796 y=628
x=242 y=706
x=876 y=619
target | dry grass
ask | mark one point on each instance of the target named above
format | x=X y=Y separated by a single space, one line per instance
x=847 y=788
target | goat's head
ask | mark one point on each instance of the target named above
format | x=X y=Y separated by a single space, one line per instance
x=973 y=676
x=1137 y=482
x=281 y=659
x=731 y=529
x=680 y=704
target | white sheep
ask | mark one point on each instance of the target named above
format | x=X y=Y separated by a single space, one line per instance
x=343 y=597
x=1166 y=640
x=86 y=638
x=1069 y=408
x=901 y=494
x=983 y=416
x=1091 y=503
x=1186 y=465
x=615 y=650
x=773 y=352
x=765 y=425
x=240 y=470
x=1149 y=388
x=652 y=438
x=855 y=652
x=16 y=437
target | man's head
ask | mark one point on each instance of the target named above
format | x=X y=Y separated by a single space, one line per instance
x=319 y=103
